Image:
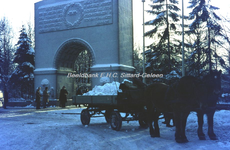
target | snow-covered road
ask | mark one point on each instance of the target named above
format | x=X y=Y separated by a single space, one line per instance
x=56 y=128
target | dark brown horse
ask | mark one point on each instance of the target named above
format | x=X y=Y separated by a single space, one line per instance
x=156 y=104
x=188 y=94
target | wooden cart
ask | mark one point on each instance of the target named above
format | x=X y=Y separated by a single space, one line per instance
x=131 y=103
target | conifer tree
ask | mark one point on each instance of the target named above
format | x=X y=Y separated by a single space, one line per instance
x=163 y=54
x=23 y=76
x=206 y=28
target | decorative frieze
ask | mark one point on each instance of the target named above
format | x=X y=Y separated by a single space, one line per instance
x=64 y=16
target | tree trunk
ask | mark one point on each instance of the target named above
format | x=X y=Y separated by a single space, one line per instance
x=169 y=53
x=5 y=95
x=198 y=61
x=209 y=51
x=229 y=60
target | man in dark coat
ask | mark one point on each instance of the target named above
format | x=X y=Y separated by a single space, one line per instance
x=63 y=97
x=79 y=92
x=38 y=97
x=45 y=97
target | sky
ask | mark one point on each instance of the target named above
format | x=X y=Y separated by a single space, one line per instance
x=224 y=6
x=20 y=12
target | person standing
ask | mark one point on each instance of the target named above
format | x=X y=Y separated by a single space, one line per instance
x=63 y=97
x=38 y=98
x=45 y=97
x=79 y=92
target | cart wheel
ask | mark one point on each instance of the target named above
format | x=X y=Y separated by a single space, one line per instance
x=116 y=121
x=143 y=120
x=85 y=117
x=108 y=115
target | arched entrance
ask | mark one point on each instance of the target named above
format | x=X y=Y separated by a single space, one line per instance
x=73 y=56
x=64 y=29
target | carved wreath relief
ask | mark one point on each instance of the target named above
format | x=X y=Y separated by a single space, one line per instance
x=74 y=15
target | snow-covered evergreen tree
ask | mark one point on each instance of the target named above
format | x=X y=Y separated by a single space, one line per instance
x=23 y=75
x=206 y=28
x=163 y=56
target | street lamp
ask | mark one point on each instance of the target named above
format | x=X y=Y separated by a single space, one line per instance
x=143 y=40
x=183 y=69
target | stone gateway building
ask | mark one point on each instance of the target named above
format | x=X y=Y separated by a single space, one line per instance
x=65 y=28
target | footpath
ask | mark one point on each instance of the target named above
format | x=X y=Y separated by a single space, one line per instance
x=31 y=109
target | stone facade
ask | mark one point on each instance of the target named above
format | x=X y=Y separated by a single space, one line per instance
x=64 y=28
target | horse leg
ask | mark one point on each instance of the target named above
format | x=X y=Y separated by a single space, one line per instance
x=177 y=121
x=183 y=125
x=211 y=133
x=180 y=118
x=156 y=125
x=151 y=130
x=171 y=118
x=200 y=116
x=154 y=132
x=167 y=119
x=173 y=121
x=150 y=120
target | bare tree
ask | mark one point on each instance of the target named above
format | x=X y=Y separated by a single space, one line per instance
x=137 y=59
x=6 y=54
x=30 y=33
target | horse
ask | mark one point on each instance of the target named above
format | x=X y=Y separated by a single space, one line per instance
x=201 y=96
x=156 y=104
x=186 y=95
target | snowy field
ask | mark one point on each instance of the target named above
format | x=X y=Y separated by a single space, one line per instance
x=56 y=128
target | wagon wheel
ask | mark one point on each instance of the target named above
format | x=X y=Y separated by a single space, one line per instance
x=108 y=115
x=143 y=120
x=116 y=121
x=85 y=117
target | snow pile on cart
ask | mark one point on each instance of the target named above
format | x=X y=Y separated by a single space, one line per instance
x=106 y=89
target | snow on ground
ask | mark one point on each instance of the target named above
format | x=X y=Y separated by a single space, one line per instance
x=17 y=100
x=56 y=128
x=225 y=94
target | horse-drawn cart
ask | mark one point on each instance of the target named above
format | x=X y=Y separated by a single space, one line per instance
x=130 y=103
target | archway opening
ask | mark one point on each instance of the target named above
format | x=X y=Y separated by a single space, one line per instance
x=76 y=57
x=82 y=65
